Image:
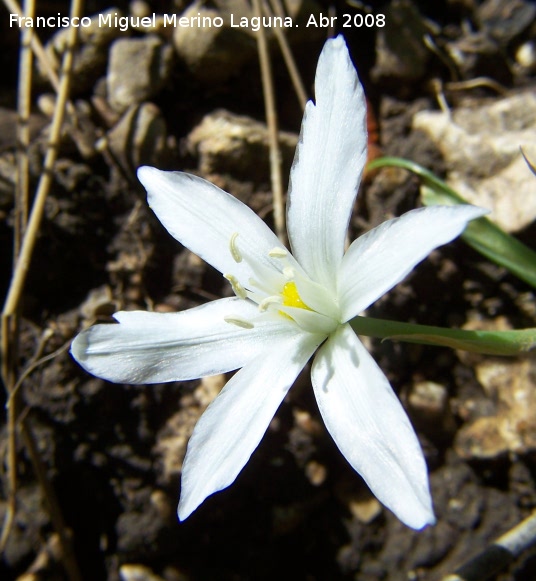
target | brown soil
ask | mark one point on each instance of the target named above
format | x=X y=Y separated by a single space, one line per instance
x=297 y=511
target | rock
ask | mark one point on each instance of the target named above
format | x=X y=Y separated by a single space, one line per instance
x=78 y=126
x=139 y=138
x=430 y=412
x=136 y=572
x=91 y=54
x=486 y=50
x=172 y=440
x=8 y=127
x=365 y=508
x=216 y=46
x=504 y=20
x=213 y=54
x=316 y=473
x=510 y=386
x=526 y=56
x=238 y=145
x=481 y=148
x=99 y=303
x=477 y=55
x=429 y=399
x=138 y=69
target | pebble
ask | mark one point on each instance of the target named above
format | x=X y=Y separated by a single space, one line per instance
x=481 y=148
x=526 y=56
x=91 y=55
x=136 y=572
x=238 y=145
x=139 y=138
x=504 y=20
x=148 y=61
x=509 y=384
x=429 y=398
x=212 y=54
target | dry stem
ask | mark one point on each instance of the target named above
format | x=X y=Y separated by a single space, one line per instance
x=271 y=119
x=22 y=263
x=288 y=57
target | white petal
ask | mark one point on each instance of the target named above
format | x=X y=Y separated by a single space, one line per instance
x=158 y=347
x=370 y=427
x=328 y=165
x=204 y=218
x=234 y=423
x=381 y=258
x=318 y=297
x=310 y=320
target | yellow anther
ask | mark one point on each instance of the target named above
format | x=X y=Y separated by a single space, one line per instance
x=238 y=289
x=291 y=297
x=278 y=252
x=235 y=253
x=238 y=322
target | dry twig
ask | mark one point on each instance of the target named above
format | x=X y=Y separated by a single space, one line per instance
x=271 y=119
x=293 y=72
x=505 y=550
x=11 y=306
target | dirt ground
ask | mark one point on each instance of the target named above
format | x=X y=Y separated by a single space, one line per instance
x=113 y=453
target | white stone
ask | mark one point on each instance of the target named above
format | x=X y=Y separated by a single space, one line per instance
x=481 y=146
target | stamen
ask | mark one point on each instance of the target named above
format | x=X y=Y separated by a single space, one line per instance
x=264 y=304
x=238 y=322
x=289 y=273
x=278 y=252
x=238 y=289
x=235 y=253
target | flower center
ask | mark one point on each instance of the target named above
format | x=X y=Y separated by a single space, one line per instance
x=291 y=297
x=275 y=290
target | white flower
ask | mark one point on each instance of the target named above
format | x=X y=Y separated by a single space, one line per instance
x=287 y=306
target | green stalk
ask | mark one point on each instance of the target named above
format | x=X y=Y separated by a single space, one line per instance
x=485 y=342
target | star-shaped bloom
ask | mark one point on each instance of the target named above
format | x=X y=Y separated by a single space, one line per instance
x=287 y=307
